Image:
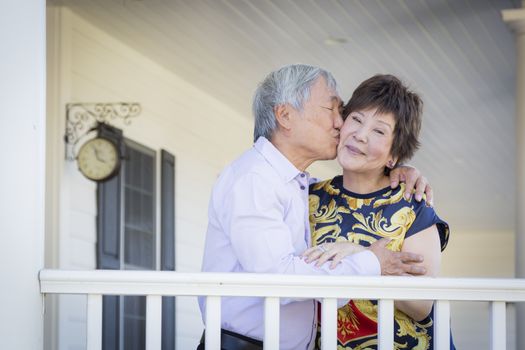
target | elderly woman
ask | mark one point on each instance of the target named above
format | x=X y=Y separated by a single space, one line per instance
x=381 y=129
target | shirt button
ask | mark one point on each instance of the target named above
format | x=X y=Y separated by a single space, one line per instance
x=302 y=187
x=302 y=175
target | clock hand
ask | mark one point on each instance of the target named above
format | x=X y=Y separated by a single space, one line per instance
x=97 y=155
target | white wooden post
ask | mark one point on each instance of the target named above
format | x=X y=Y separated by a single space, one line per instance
x=329 y=324
x=213 y=323
x=515 y=18
x=442 y=325
x=271 y=323
x=153 y=322
x=498 y=325
x=385 y=320
x=94 y=322
x=22 y=179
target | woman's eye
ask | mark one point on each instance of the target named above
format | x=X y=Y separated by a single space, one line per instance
x=356 y=119
x=379 y=131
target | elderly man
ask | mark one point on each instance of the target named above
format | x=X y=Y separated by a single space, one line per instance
x=258 y=212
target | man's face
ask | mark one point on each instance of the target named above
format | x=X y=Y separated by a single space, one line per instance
x=316 y=128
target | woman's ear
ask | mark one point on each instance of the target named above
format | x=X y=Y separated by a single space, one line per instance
x=391 y=163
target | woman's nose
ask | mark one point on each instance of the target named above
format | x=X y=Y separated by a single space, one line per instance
x=360 y=134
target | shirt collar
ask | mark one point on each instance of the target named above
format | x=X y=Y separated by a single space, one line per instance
x=276 y=159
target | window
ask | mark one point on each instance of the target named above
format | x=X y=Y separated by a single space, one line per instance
x=139 y=219
x=127 y=239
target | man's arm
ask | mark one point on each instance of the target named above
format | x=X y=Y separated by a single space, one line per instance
x=253 y=216
x=392 y=263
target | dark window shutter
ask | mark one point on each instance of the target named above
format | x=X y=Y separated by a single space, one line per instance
x=108 y=230
x=108 y=244
x=168 y=244
x=167 y=211
x=110 y=322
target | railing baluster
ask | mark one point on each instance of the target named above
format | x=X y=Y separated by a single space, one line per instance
x=213 y=323
x=94 y=322
x=442 y=325
x=271 y=323
x=153 y=322
x=329 y=324
x=498 y=325
x=385 y=320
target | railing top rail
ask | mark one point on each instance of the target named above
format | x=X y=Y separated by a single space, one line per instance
x=288 y=286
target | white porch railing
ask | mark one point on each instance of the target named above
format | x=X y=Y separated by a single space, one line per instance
x=155 y=284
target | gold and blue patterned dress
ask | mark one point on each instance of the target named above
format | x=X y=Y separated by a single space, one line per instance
x=337 y=214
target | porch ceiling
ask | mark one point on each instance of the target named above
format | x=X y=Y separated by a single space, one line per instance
x=457 y=53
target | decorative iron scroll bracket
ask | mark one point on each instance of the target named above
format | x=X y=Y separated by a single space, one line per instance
x=82 y=118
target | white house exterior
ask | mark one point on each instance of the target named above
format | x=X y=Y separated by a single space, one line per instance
x=49 y=209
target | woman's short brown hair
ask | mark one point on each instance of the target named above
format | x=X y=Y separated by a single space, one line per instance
x=388 y=94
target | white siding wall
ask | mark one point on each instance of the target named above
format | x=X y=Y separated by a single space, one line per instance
x=88 y=65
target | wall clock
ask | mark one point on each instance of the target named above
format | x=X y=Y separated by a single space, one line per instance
x=99 y=159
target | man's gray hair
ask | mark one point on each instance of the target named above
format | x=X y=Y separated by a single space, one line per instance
x=290 y=84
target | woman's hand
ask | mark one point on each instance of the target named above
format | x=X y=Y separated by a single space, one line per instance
x=331 y=251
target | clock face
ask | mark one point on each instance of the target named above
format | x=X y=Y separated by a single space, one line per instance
x=98 y=159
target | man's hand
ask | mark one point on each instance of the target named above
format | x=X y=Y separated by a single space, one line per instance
x=331 y=251
x=412 y=179
x=396 y=263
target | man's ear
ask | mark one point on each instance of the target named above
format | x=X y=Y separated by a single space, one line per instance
x=282 y=116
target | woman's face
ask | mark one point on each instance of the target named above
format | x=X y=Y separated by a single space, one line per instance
x=366 y=140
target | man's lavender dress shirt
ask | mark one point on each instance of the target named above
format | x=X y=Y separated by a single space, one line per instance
x=258 y=222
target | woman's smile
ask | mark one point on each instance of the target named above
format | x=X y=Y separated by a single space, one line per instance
x=354 y=150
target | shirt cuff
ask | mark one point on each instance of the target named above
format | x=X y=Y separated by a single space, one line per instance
x=366 y=263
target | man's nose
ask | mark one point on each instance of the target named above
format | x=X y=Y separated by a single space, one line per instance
x=338 y=121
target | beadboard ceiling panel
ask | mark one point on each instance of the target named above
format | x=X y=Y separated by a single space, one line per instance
x=458 y=54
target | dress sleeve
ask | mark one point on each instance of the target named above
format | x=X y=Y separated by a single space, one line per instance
x=426 y=217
